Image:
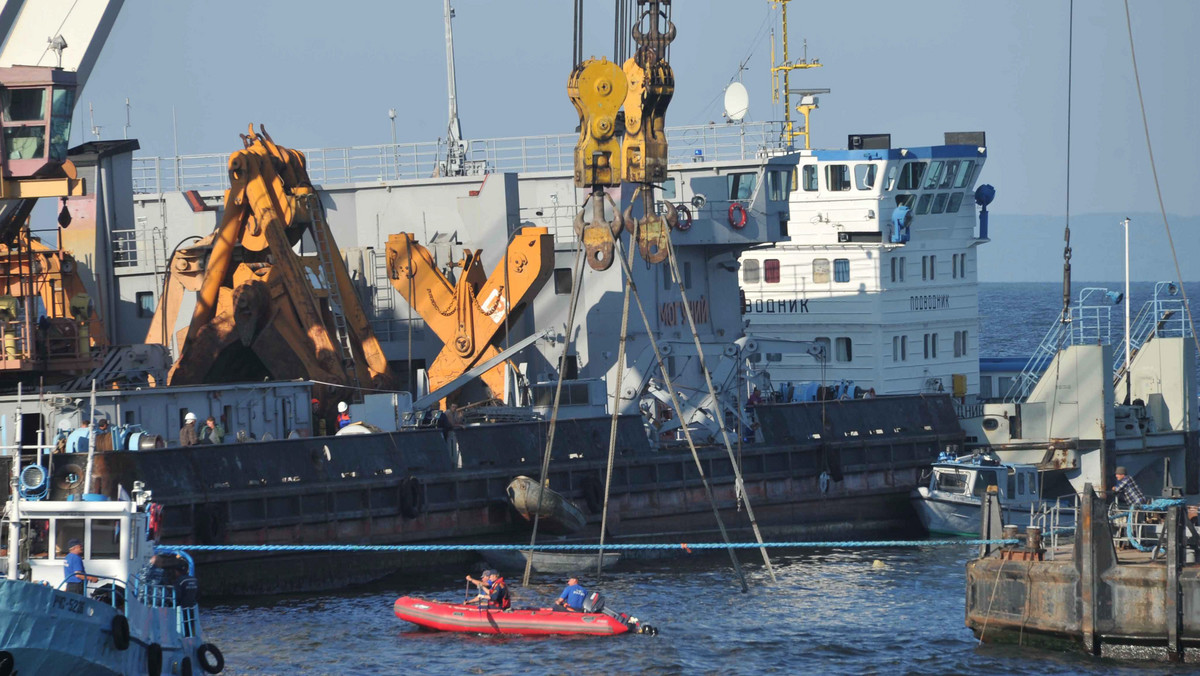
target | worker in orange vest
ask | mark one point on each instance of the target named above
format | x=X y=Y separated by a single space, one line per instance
x=343 y=417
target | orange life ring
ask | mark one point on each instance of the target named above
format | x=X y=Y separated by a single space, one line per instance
x=685 y=218
x=737 y=215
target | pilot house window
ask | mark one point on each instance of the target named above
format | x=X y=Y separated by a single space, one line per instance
x=741 y=186
x=810 y=177
x=837 y=177
x=841 y=270
x=864 y=176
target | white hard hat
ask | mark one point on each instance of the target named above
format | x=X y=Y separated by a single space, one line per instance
x=342 y=407
x=65 y=425
x=190 y=417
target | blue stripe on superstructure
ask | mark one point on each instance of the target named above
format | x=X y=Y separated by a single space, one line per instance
x=919 y=153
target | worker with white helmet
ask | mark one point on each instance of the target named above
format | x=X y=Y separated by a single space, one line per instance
x=343 y=418
x=188 y=436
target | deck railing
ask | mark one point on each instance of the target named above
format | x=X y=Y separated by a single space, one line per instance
x=390 y=162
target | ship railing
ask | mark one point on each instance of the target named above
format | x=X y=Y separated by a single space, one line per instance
x=1162 y=316
x=113 y=595
x=1139 y=527
x=152 y=594
x=1089 y=322
x=521 y=154
x=1057 y=518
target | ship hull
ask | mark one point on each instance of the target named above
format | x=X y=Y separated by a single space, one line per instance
x=814 y=477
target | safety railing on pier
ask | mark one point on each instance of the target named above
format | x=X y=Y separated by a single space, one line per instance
x=389 y=162
x=1089 y=323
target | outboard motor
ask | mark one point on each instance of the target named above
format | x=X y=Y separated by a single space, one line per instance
x=594 y=603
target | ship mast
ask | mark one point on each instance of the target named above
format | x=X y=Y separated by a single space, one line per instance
x=456 y=151
x=807 y=101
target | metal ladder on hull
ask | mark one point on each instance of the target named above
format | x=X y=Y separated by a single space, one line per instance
x=325 y=252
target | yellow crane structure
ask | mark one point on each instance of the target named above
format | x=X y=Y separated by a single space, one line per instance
x=607 y=152
x=261 y=309
x=471 y=314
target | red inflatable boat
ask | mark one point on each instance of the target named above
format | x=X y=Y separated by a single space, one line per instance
x=525 y=622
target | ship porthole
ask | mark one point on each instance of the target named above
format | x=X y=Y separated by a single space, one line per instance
x=991 y=424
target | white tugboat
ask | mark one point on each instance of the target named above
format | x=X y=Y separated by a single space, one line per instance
x=128 y=620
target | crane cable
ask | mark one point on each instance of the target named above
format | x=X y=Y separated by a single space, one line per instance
x=687 y=433
x=1158 y=188
x=717 y=412
x=562 y=367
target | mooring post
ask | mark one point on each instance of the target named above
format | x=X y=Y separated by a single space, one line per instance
x=1173 y=600
x=1085 y=561
x=992 y=526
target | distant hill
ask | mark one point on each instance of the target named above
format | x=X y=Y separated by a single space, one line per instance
x=1029 y=248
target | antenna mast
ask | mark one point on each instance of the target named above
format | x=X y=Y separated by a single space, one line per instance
x=455 y=148
x=808 y=102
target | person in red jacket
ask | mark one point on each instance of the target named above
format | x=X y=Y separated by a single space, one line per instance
x=491 y=589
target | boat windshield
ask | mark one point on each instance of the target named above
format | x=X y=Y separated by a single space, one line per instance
x=950 y=481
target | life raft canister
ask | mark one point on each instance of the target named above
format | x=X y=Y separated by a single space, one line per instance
x=737 y=215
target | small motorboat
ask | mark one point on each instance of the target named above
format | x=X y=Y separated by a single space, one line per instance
x=556 y=514
x=565 y=563
x=950 y=503
x=479 y=619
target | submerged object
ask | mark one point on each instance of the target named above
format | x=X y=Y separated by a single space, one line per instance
x=550 y=562
x=524 y=622
x=555 y=513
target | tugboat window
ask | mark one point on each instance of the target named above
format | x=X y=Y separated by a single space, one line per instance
x=939 y=202
x=923 y=204
x=820 y=270
x=954 y=203
x=1011 y=488
x=741 y=186
x=771 y=271
x=106 y=539
x=948 y=175
x=891 y=177
x=864 y=176
x=668 y=189
x=934 y=175
x=837 y=177
x=777 y=185
x=966 y=169
x=844 y=351
x=841 y=270
x=1021 y=483
x=905 y=200
x=910 y=176
x=810 y=177
x=66 y=530
x=750 y=273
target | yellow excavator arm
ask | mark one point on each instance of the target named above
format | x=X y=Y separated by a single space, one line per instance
x=471 y=315
x=257 y=312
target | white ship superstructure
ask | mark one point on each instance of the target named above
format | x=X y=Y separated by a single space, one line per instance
x=878 y=262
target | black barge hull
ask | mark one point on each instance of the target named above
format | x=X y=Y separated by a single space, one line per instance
x=832 y=470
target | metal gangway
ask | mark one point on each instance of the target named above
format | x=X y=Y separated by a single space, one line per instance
x=1162 y=316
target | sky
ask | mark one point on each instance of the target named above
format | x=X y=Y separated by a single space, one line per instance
x=322 y=78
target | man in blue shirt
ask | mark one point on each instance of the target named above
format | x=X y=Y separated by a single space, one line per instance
x=73 y=572
x=573 y=596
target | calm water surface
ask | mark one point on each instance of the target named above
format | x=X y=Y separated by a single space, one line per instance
x=830 y=612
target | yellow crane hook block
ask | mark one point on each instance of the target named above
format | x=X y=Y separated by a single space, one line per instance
x=597 y=87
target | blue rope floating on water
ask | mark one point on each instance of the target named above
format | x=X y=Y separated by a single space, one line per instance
x=686 y=546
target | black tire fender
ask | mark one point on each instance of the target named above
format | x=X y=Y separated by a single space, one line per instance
x=120 y=632
x=185 y=667
x=210 y=659
x=412 y=497
x=154 y=659
x=208 y=524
